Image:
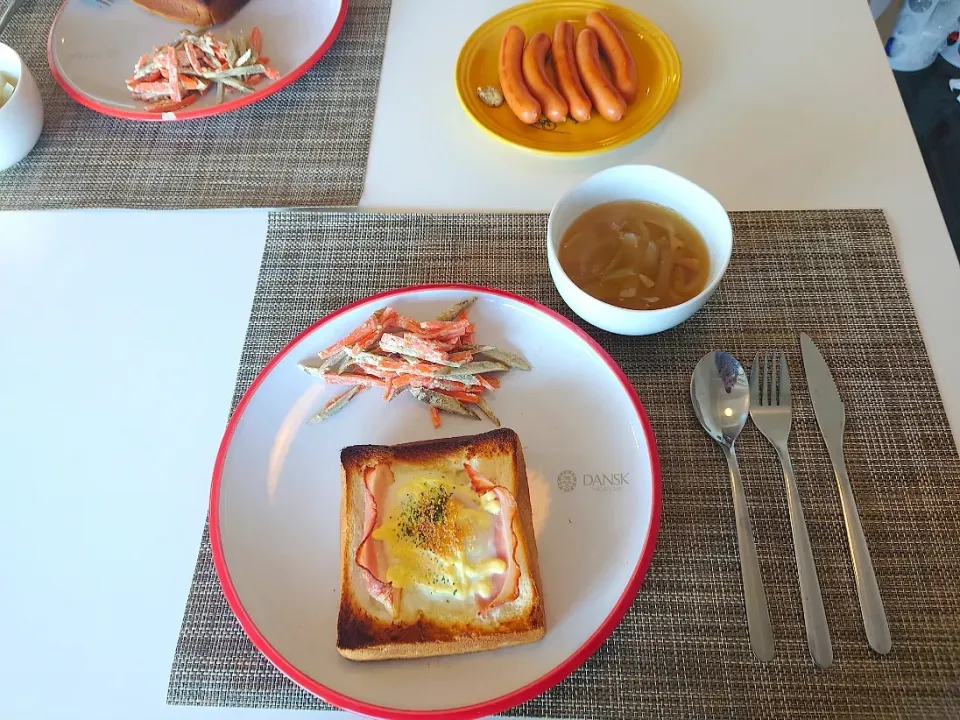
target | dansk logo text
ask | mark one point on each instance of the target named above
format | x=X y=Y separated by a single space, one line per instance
x=604 y=480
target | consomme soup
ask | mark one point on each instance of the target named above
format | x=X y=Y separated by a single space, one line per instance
x=635 y=255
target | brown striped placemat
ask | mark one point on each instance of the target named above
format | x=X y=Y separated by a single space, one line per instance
x=682 y=650
x=305 y=146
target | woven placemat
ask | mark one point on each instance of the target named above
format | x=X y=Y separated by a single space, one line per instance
x=682 y=651
x=305 y=146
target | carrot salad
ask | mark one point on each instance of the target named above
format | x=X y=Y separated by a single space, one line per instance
x=436 y=361
x=177 y=75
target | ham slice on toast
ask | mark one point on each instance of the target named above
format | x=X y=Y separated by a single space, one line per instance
x=483 y=484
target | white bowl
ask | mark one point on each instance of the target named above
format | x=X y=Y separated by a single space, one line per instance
x=650 y=184
x=21 y=117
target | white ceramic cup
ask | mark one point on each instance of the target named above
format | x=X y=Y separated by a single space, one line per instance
x=650 y=184
x=21 y=117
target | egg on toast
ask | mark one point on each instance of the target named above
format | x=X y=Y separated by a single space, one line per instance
x=438 y=554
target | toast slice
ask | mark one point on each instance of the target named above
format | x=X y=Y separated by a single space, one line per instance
x=201 y=13
x=422 y=620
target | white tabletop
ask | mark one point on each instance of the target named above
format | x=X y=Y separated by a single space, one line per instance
x=120 y=332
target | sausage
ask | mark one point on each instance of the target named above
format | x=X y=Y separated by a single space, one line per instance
x=606 y=98
x=515 y=90
x=568 y=78
x=535 y=75
x=622 y=64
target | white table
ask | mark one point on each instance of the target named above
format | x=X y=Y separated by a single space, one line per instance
x=119 y=345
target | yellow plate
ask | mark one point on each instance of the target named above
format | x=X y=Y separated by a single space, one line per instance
x=658 y=67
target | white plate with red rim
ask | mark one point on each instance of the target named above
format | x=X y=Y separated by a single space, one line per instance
x=94 y=46
x=594 y=480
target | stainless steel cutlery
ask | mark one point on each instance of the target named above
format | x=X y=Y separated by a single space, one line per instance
x=721 y=400
x=770 y=411
x=831 y=417
x=7 y=15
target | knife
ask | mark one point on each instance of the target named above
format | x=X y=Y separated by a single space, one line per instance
x=831 y=418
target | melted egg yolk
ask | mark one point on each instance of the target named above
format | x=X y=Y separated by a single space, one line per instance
x=438 y=537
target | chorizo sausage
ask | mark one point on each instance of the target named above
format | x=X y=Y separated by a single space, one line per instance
x=606 y=98
x=568 y=77
x=515 y=90
x=622 y=64
x=535 y=75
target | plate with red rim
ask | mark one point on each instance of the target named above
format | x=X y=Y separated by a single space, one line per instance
x=594 y=479
x=94 y=46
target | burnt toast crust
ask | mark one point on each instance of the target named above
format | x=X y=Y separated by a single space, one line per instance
x=356 y=630
x=200 y=13
x=501 y=441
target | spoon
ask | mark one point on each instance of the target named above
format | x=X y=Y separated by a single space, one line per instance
x=720 y=394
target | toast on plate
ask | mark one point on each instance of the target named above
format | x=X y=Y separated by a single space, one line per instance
x=201 y=13
x=438 y=554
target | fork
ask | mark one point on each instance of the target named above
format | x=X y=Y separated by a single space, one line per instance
x=770 y=411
